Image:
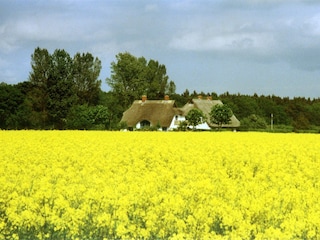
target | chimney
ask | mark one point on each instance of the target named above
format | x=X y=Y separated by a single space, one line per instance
x=144 y=98
x=166 y=97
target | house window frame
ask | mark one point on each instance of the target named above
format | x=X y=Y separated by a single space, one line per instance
x=145 y=124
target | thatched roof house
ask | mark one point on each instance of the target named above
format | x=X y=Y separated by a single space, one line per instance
x=165 y=114
x=205 y=105
x=145 y=112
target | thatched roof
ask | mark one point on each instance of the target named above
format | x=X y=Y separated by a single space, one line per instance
x=205 y=105
x=155 y=111
x=161 y=112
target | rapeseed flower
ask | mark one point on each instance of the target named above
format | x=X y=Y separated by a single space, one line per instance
x=106 y=185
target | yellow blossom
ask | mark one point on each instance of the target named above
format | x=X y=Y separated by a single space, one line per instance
x=159 y=185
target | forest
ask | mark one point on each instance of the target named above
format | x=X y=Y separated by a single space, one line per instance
x=64 y=92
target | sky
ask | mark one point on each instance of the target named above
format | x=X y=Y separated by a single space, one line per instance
x=267 y=47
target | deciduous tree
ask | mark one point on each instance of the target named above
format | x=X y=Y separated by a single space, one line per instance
x=59 y=82
x=61 y=94
x=127 y=81
x=220 y=114
x=86 y=71
x=10 y=101
x=131 y=77
x=195 y=117
x=41 y=65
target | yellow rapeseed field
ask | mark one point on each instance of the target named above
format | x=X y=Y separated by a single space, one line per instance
x=159 y=185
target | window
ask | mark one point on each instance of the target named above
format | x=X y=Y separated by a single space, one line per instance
x=144 y=124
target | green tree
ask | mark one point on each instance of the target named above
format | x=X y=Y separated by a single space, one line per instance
x=314 y=110
x=24 y=110
x=156 y=80
x=59 y=82
x=88 y=117
x=110 y=100
x=79 y=118
x=171 y=88
x=61 y=94
x=243 y=105
x=220 y=114
x=100 y=116
x=11 y=100
x=301 y=122
x=179 y=99
x=86 y=71
x=41 y=65
x=183 y=125
x=126 y=81
x=253 y=122
x=52 y=92
x=195 y=117
x=132 y=77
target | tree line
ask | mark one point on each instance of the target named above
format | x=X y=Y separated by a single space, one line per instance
x=64 y=92
x=258 y=112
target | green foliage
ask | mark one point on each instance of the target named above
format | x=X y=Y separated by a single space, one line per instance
x=13 y=110
x=38 y=95
x=220 y=114
x=126 y=79
x=155 y=80
x=148 y=129
x=122 y=125
x=301 y=122
x=88 y=117
x=99 y=115
x=244 y=107
x=183 y=126
x=282 y=128
x=171 y=88
x=158 y=126
x=110 y=100
x=253 y=122
x=79 y=118
x=60 y=82
x=132 y=77
x=86 y=70
x=195 y=117
x=314 y=113
x=62 y=92
x=179 y=99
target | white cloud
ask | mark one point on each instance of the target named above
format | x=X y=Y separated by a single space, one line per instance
x=180 y=33
x=201 y=41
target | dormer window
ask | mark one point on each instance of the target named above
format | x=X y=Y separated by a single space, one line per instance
x=144 y=124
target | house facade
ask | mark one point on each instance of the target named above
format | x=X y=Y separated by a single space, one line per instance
x=150 y=113
x=163 y=114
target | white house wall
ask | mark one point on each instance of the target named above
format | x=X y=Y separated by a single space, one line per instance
x=203 y=126
x=177 y=119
